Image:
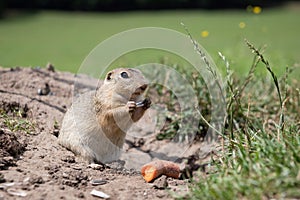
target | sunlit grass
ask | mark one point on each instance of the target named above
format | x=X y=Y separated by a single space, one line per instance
x=259 y=148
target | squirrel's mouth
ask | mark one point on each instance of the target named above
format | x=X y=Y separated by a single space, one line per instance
x=138 y=92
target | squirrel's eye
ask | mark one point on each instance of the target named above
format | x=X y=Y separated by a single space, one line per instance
x=124 y=75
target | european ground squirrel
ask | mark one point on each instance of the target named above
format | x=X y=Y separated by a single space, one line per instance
x=95 y=126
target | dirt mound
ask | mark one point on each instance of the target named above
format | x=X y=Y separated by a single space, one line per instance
x=10 y=149
x=32 y=164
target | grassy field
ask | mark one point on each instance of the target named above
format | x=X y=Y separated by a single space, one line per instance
x=65 y=39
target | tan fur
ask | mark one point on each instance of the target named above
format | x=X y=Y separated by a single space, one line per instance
x=95 y=126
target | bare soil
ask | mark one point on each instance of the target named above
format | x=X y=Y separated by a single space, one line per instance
x=34 y=166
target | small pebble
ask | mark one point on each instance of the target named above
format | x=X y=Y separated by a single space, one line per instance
x=96 y=166
x=15 y=192
x=99 y=194
x=44 y=91
x=98 y=182
x=55 y=132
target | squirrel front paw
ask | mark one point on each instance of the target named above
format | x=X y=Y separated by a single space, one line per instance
x=131 y=105
x=147 y=103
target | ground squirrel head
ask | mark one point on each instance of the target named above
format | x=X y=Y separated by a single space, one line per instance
x=123 y=85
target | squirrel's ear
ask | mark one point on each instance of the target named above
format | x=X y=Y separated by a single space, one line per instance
x=108 y=76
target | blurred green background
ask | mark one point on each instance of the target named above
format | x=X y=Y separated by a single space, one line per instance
x=31 y=36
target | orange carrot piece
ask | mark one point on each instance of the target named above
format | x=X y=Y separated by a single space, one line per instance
x=157 y=168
